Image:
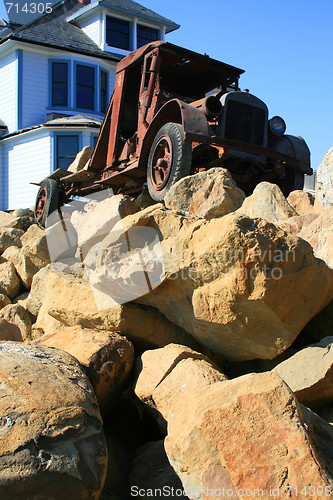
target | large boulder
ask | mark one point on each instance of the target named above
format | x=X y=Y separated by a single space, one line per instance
x=267 y=202
x=106 y=356
x=10 y=284
x=295 y=225
x=52 y=443
x=10 y=237
x=301 y=201
x=227 y=279
x=248 y=437
x=69 y=300
x=320 y=236
x=171 y=373
x=81 y=159
x=309 y=373
x=26 y=263
x=15 y=323
x=208 y=194
x=324 y=190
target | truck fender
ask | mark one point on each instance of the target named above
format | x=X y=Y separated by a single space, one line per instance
x=193 y=120
x=295 y=147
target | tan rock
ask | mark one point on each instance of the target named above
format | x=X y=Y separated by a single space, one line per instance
x=52 y=443
x=226 y=279
x=267 y=202
x=26 y=263
x=34 y=243
x=4 y=300
x=106 y=356
x=15 y=323
x=295 y=225
x=324 y=189
x=81 y=159
x=70 y=301
x=171 y=374
x=301 y=201
x=38 y=290
x=9 y=281
x=5 y=218
x=320 y=236
x=208 y=194
x=248 y=434
x=309 y=373
x=10 y=237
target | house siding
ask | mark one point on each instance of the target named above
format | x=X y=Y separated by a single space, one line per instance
x=8 y=91
x=34 y=152
x=93 y=28
x=35 y=88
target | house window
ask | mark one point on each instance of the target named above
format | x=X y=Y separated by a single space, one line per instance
x=59 y=84
x=85 y=87
x=146 y=35
x=103 y=91
x=117 y=33
x=67 y=149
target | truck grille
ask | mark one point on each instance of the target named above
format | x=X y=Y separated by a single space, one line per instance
x=245 y=123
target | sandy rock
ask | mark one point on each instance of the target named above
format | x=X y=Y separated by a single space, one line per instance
x=34 y=243
x=208 y=194
x=174 y=370
x=6 y=218
x=52 y=442
x=301 y=201
x=4 y=300
x=106 y=356
x=70 y=300
x=15 y=323
x=23 y=212
x=10 y=237
x=248 y=434
x=81 y=159
x=26 y=263
x=144 y=199
x=9 y=281
x=320 y=326
x=295 y=225
x=309 y=373
x=38 y=290
x=324 y=190
x=320 y=236
x=267 y=202
x=151 y=471
x=226 y=279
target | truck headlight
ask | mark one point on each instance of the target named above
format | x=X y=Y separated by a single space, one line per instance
x=277 y=125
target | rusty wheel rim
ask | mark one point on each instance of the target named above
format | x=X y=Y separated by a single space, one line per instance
x=40 y=204
x=161 y=163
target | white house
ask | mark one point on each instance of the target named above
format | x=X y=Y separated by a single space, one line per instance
x=56 y=78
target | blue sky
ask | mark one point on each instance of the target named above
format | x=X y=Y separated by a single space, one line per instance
x=286 y=48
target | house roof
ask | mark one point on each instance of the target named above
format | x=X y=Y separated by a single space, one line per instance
x=130 y=7
x=53 y=30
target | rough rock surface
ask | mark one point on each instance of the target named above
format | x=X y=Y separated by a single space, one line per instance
x=4 y=300
x=15 y=323
x=320 y=236
x=208 y=194
x=301 y=201
x=324 y=191
x=267 y=202
x=70 y=301
x=248 y=433
x=295 y=225
x=174 y=370
x=81 y=159
x=226 y=279
x=106 y=356
x=52 y=443
x=10 y=237
x=309 y=373
x=9 y=281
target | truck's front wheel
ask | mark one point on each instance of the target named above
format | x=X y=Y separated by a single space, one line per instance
x=47 y=200
x=169 y=160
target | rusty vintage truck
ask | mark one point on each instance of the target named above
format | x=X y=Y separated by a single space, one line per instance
x=173 y=113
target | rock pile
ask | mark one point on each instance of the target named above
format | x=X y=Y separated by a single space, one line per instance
x=189 y=342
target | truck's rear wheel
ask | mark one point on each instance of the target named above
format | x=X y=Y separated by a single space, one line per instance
x=169 y=160
x=47 y=200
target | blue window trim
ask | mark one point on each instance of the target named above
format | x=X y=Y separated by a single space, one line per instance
x=69 y=83
x=19 y=86
x=54 y=141
x=96 y=82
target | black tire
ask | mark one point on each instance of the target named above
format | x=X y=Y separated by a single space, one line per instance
x=47 y=200
x=294 y=180
x=174 y=155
